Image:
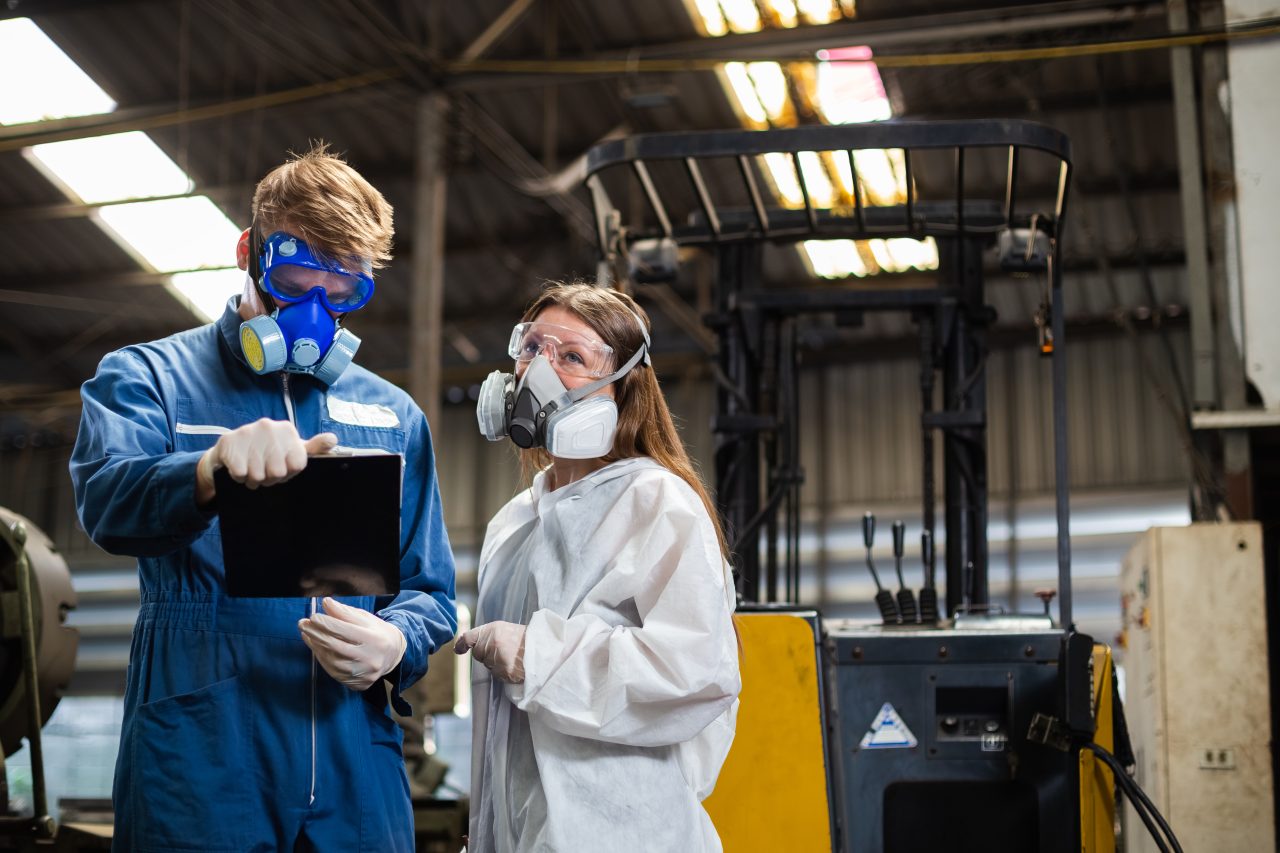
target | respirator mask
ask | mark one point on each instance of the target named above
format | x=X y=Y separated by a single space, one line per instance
x=300 y=335
x=537 y=410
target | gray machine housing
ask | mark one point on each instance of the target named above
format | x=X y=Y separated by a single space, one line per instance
x=973 y=782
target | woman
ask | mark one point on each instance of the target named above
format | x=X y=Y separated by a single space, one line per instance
x=606 y=702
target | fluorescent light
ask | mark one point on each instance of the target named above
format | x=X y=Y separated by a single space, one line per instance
x=206 y=292
x=41 y=81
x=111 y=168
x=174 y=234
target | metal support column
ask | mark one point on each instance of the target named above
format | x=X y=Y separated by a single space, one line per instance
x=736 y=430
x=1204 y=385
x=426 y=299
x=964 y=386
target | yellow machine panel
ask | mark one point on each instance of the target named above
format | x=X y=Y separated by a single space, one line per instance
x=772 y=792
x=1097 y=787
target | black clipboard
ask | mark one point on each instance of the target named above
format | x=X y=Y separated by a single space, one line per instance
x=332 y=529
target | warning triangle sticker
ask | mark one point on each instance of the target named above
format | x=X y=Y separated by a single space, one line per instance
x=888 y=732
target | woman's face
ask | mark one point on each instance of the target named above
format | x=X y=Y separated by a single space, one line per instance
x=566 y=319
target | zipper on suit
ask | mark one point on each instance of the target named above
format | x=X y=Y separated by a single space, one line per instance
x=288 y=406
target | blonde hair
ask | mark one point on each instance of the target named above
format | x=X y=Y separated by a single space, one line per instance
x=645 y=427
x=317 y=197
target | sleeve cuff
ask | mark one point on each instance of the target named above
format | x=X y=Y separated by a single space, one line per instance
x=176 y=498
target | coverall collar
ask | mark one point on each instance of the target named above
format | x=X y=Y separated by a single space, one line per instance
x=229 y=325
x=544 y=499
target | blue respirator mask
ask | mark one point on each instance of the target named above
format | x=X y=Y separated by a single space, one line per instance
x=300 y=335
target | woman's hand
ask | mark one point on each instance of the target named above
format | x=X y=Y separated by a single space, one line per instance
x=497 y=645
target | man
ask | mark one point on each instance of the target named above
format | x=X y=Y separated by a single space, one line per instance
x=262 y=724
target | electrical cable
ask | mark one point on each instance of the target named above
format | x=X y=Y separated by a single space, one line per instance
x=1138 y=798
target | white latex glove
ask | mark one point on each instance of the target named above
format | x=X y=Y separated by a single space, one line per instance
x=262 y=453
x=497 y=645
x=353 y=645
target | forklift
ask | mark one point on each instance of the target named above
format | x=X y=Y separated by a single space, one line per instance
x=947 y=723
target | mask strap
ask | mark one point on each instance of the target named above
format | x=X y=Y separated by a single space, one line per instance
x=586 y=390
x=570 y=397
x=255 y=265
x=645 y=332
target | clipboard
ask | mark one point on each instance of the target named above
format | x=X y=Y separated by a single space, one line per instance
x=332 y=529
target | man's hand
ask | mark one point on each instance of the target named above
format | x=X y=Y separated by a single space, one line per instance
x=497 y=645
x=353 y=645
x=262 y=453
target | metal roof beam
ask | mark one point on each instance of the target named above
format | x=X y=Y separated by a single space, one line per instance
x=899 y=32
x=23 y=289
x=1154 y=182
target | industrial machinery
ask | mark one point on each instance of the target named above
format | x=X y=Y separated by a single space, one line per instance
x=948 y=724
x=1195 y=654
x=37 y=656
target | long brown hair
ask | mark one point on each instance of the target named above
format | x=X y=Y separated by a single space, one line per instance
x=645 y=427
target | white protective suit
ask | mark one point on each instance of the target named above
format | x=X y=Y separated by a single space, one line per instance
x=629 y=700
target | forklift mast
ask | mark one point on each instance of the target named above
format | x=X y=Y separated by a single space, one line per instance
x=704 y=189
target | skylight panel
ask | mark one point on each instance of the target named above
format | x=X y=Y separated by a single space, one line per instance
x=834 y=258
x=782 y=173
x=818 y=11
x=744 y=92
x=175 y=234
x=111 y=168
x=907 y=253
x=26 y=53
x=878 y=175
x=784 y=12
x=845 y=88
x=821 y=193
x=206 y=292
x=771 y=88
x=743 y=16
x=713 y=22
x=849 y=88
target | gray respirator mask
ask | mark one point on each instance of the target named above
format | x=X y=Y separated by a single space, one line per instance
x=537 y=410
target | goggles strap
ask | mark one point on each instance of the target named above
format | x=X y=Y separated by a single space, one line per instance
x=570 y=397
x=255 y=265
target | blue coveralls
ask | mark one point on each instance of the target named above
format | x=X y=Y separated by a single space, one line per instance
x=234 y=738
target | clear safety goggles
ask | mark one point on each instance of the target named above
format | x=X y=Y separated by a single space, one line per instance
x=569 y=352
x=291 y=273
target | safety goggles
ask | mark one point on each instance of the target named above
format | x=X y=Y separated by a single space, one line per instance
x=291 y=273
x=569 y=351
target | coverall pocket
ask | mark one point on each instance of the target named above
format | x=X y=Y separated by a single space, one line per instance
x=383 y=731
x=193 y=779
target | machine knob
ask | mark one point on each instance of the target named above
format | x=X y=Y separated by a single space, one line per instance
x=1046 y=596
